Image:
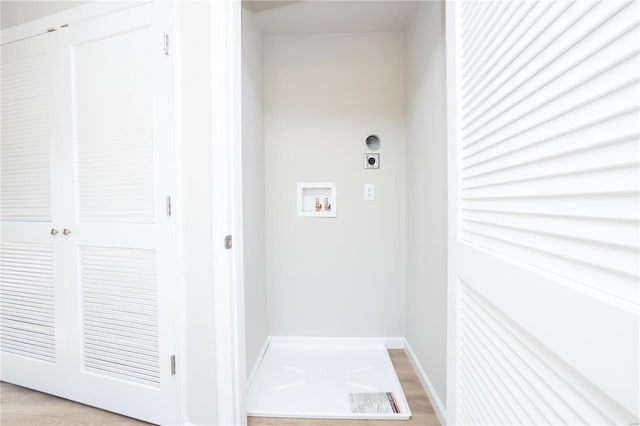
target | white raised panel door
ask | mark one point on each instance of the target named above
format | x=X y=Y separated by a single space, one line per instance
x=544 y=185
x=119 y=242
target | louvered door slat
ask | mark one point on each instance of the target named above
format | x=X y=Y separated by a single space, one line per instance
x=105 y=349
x=559 y=121
x=542 y=390
x=120 y=324
x=27 y=310
x=25 y=189
x=114 y=129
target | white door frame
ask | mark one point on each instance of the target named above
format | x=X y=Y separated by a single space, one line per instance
x=452 y=206
x=226 y=131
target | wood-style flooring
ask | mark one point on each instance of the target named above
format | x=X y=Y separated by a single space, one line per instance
x=21 y=406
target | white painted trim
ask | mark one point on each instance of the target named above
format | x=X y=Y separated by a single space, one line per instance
x=256 y=366
x=227 y=264
x=67 y=17
x=237 y=254
x=389 y=342
x=435 y=400
x=452 y=209
x=176 y=104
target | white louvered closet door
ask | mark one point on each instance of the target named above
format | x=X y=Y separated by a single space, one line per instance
x=29 y=270
x=121 y=236
x=545 y=194
x=115 y=285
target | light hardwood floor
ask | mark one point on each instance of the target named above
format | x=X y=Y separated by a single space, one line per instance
x=21 y=406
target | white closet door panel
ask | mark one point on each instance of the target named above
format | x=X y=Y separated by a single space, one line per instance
x=545 y=250
x=30 y=267
x=114 y=127
x=570 y=328
x=119 y=246
x=27 y=305
x=119 y=235
x=25 y=173
x=509 y=377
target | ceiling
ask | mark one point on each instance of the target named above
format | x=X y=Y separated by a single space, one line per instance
x=274 y=17
x=19 y=12
x=318 y=17
x=257 y=6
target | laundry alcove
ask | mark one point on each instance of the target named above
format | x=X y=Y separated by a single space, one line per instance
x=319 y=79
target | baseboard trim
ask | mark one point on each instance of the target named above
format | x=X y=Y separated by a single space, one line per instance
x=258 y=362
x=389 y=342
x=436 y=402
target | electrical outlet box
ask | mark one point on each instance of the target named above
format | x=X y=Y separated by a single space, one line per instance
x=369 y=192
x=372 y=161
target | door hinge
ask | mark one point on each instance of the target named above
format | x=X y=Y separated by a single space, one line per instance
x=173 y=365
x=166 y=44
x=168 y=206
x=228 y=242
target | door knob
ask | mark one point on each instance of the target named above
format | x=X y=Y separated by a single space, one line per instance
x=54 y=231
x=66 y=231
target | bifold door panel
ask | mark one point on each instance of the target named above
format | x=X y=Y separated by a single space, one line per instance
x=547 y=178
x=86 y=244
x=30 y=276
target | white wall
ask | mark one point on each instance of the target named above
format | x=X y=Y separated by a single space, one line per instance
x=197 y=365
x=426 y=179
x=324 y=94
x=255 y=279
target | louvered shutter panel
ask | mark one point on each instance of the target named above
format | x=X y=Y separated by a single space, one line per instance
x=27 y=319
x=120 y=315
x=27 y=296
x=25 y=186
x=114 y=129
x=549 y=137
x=548 y=180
